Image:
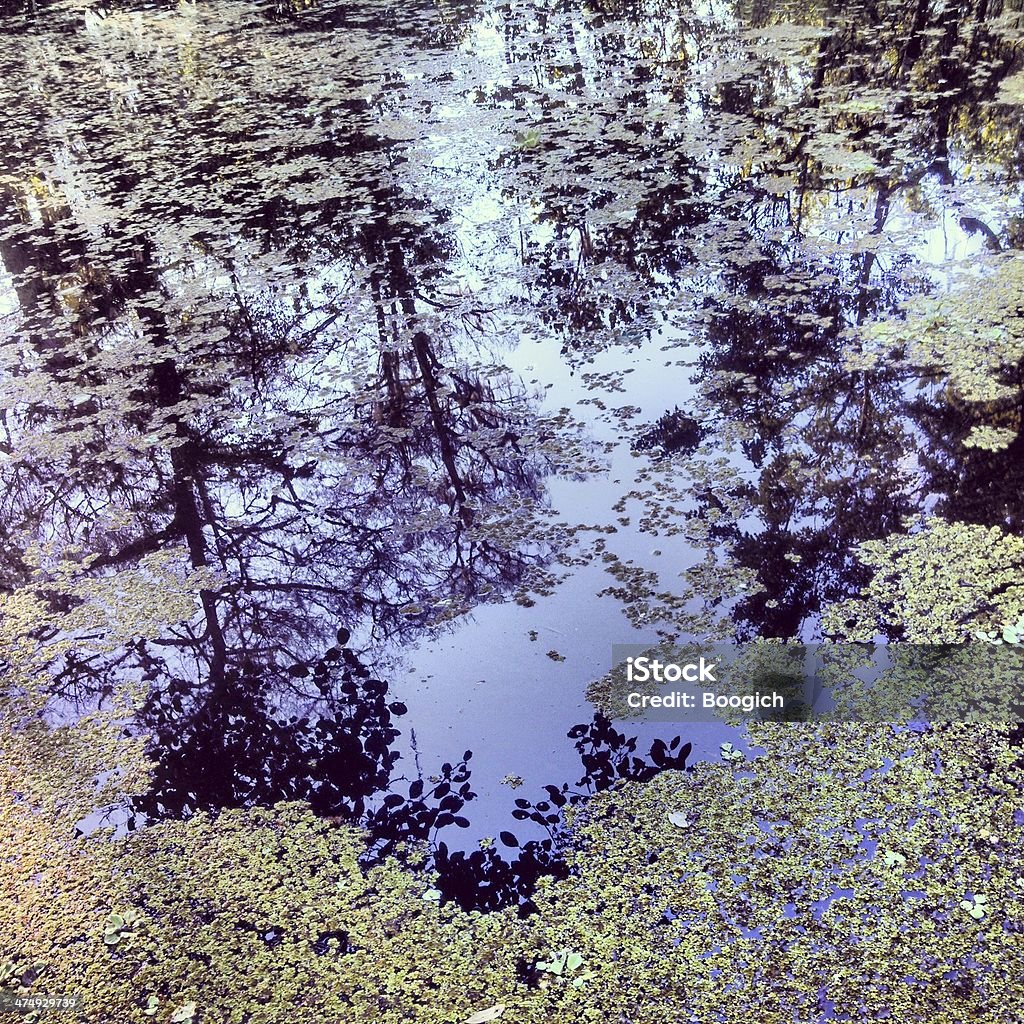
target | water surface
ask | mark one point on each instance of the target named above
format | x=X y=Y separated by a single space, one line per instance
x=489 y=334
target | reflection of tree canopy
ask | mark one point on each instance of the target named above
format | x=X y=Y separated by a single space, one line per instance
x=234 y=332
x=812 y=152
x=259 y=262
x=237 y=334
x=686 y=143
x=259 y=272
x=237 y=747
x=254 y=304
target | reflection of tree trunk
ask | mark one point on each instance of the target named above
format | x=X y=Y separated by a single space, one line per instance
x=389 y=359
x=577 y=64
x=883 y=203
x=393 y=382
x=188 y=522
x=912 y=51
x=402 y=287
x=185 y=458
x=18 y=256
x=426 y=361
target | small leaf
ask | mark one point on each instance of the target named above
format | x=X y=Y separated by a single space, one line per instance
x=483 y=1016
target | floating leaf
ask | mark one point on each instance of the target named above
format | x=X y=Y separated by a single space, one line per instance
x=992 y=439
x=483 y=1016
x=1012 y=90
x=681 y=819
x=894 y=860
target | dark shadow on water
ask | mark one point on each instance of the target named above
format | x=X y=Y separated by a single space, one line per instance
x=238 y=749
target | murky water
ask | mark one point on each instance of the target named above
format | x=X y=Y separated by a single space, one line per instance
x=492 y=335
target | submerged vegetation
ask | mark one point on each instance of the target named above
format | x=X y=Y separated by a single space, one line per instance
x=325 y=325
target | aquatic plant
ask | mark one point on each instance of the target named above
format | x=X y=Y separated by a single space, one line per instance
x=673 y=882
x=118 y=928
x=939 y=583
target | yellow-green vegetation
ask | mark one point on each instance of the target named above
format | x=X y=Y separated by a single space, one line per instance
x=866 y=868
x=179 y=914
x=938 y=584
x=65 y=609
x=872 y=870
x=784 y=895
x=261 y=274
x=971 y=336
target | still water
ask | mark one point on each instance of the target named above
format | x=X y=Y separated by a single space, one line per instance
x=490 y=335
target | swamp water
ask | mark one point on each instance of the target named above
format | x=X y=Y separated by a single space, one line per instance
x=452 y=344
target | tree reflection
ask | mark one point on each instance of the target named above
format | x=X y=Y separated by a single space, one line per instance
x=325 y=440
x=272 y=379
x=779 y=178
x=257 y=300
x=237 y=746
